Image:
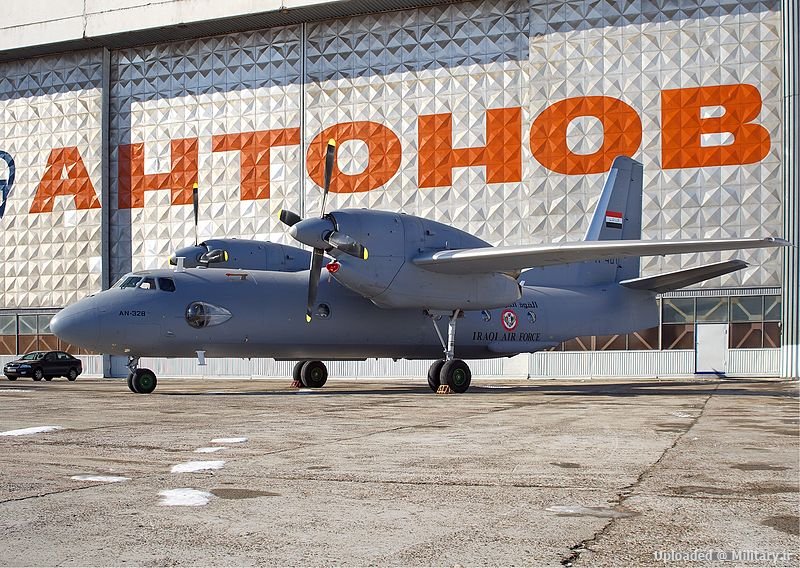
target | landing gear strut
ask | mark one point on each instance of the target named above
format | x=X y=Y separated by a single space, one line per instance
x=449 y=375
x=140 y=381
x=309 y=374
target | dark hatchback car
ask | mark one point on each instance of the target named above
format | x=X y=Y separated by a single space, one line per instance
x=45 y=365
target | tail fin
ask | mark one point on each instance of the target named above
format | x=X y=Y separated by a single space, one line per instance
x=618 y=216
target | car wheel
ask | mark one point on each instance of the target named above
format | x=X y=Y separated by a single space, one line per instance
x=72 y=375
x=38 y=375
x=11 y=378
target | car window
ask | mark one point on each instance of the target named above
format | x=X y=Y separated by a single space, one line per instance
x=166 y=284
x=35 y=356
x=50 y=357
x=62 y=355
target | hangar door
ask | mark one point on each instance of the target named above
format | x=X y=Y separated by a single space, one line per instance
x=711 y=348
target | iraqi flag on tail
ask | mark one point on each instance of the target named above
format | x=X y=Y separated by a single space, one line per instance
x=613 y=219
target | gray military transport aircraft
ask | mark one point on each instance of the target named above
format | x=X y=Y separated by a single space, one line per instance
x=390 y=282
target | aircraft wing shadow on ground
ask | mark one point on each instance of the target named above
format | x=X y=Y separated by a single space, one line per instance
x=392 y=281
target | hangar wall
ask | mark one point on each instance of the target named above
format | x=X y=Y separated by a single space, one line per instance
x=545 y=92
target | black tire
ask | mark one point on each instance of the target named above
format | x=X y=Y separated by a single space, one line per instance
x=144 y=381
x=314 y=374
x=11 y=378
x=130 y=383
x=297 y=372
x=456 y=375
x=48 y=379
x=72 y=374
x=38 y=374
x=434 y=372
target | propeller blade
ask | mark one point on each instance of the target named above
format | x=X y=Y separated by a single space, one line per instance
x=196 y=207
x=348 y=245
x=313 y=281
x=330 y=157
x=289 y=218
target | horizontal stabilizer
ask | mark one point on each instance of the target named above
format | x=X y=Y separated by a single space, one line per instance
x=682 y=278
x=511 y=259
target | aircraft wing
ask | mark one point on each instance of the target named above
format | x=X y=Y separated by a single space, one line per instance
x=681 y=278
x=515 y=258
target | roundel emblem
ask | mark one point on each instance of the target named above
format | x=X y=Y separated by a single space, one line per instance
x=509 y=320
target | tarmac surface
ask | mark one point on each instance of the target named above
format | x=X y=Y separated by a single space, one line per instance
x=530 y=473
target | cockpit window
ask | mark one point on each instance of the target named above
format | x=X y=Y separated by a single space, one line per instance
x=166 y=284
x=148 y=283
x=130 y=282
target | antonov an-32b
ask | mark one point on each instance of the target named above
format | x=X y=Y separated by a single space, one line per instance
x=395 y=286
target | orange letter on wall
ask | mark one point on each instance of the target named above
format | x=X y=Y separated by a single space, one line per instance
x=133 y=182
x=622 y=134
x=683 y=126
x=77 y=183
x=384 y=150
x=254 y=159
x=502 y=155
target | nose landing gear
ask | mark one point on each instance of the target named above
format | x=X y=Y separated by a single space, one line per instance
x=140 y=381
x=449 y=375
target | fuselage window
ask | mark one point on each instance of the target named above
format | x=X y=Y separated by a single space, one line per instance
x=148 y=283
x=130 y=282
x=166 y=284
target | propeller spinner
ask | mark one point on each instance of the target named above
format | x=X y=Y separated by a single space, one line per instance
x=321 y=234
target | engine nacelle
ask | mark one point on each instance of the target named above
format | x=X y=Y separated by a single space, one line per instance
x=390 y=280
x=244 y=255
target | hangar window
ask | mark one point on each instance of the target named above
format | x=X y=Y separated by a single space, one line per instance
x=203 y=314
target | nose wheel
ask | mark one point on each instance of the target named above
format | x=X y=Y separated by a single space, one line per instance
x=140 y=381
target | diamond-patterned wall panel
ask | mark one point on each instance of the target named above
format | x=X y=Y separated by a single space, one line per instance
x=539 y=95
x=634 y=52
x=223 y=112
x=50 y=244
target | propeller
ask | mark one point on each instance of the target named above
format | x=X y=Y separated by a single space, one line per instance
x=196 y=207
x=321 y=234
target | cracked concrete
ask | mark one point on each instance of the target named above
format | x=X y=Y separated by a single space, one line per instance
x=387 y=473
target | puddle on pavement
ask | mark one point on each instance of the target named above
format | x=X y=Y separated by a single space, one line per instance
x=599 y=512
x=759 y=467
x=238 y=493
x=566 y=465
x=789 y=524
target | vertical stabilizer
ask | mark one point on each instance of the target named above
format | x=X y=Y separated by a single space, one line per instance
x=618 y=216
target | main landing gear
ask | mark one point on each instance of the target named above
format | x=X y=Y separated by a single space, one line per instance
x=140 y=381
x=309 y=374
x=449 y=375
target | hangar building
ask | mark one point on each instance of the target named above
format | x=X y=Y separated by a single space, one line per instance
x=500 y=117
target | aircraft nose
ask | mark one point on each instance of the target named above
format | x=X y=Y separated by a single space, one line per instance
x=77 y=325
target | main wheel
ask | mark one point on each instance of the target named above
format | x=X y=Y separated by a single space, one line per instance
x=144 y=381
x=314 y=374
x=456 y=375
x=38 y=375
x=297 y=372
x=130 y=383
x=433 y=374
x=72 y=374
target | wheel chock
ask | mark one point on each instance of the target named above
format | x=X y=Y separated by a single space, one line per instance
x=445 y=389
x=296 y=385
